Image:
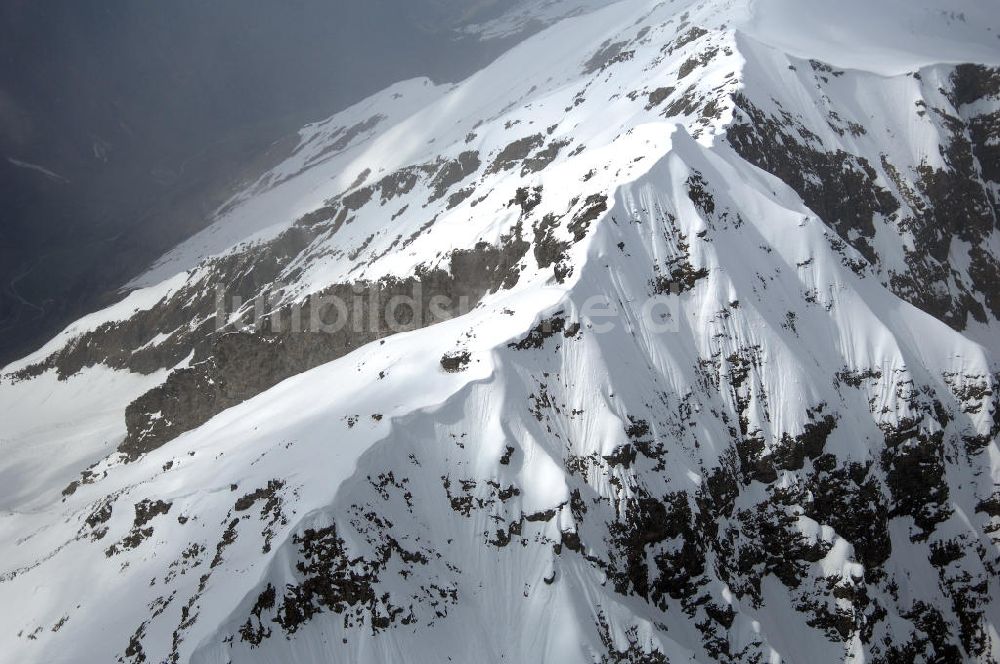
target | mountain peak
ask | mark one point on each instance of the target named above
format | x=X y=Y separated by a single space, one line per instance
x=697 y=363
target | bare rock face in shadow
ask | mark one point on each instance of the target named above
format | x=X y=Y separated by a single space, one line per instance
x=239 y=365
x=956 y=203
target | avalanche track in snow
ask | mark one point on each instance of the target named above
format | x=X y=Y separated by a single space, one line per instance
x=791 y=457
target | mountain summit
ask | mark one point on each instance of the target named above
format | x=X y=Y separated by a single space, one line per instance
x=670 y=336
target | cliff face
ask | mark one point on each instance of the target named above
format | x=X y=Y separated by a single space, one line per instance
x=704 y=370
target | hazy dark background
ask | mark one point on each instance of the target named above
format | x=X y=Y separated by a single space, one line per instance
x=147 y=113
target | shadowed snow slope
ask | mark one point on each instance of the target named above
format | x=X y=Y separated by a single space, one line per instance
x=779 y=442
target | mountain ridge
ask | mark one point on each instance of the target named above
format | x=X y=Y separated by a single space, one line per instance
x=800 y=466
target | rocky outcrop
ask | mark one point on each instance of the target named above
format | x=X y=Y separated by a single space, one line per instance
x=943 y=212
x=299 y=337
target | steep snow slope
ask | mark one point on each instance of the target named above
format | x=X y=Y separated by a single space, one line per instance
x=889 y=37
x=727 y=389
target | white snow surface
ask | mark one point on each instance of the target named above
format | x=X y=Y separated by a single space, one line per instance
x=70 y=593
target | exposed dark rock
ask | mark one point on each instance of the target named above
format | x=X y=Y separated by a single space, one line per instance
x=455 y=362
x=857 y=378
x=527 y=199
x=688 y=37
x=593 y=208
x=98 y=517
x=145 y=511
x=623 y=456
x=547 y=249
x=547 y=329
x=840 y=187
x=126 y=344
x=658 y=96
x=330 y=581
x=636 y=539
x=541 y=159
x=849 y=498
x=254 y=631
x=515 y=153
x=934 y=206
x=454 y=172
x=240 y=365
x=609 y=54
x=915 y=473
x=793 y=451
x=694 y=62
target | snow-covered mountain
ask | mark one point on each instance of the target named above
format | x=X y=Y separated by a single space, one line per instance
x=711 y=376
